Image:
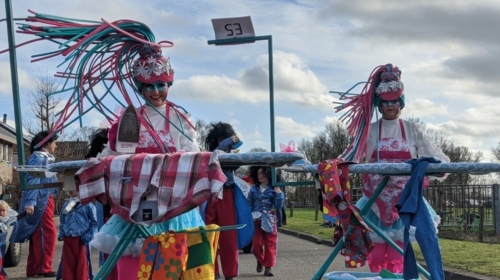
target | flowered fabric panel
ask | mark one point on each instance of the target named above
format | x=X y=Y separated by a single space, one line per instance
x=189 y=255
x=338 y=208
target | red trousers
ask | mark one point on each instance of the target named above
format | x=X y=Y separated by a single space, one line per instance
x=264 y=245
x=75 y=265
x=2 y=275
x=384 y=256
x=42 y=244
x=223 y=213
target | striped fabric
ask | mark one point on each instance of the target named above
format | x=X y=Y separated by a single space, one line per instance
x=179 y=182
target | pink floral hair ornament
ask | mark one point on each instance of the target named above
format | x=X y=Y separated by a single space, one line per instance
x=152 y=67
x=390 y=86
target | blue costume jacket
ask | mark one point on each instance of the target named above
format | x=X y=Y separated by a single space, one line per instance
x=37 y=198
x=266 y=203
x=79 y=221
x=414 y=212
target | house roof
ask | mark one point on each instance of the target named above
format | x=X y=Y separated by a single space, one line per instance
x=8 y=133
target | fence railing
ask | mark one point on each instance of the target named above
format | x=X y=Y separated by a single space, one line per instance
x=459 y=206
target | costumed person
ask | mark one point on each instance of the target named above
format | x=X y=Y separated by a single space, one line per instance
x=122 y=56
x=265 y=201
x=38 y=226
x=7 y=219
x=388 y=140
x=78 y=223
x=233 y=208
x=162 y=119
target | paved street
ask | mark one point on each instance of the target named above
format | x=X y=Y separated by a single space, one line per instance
x=297 y=259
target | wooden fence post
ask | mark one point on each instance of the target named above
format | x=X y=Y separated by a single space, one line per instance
x=291 y=208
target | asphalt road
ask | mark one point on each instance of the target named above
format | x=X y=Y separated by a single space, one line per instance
x=297 y=259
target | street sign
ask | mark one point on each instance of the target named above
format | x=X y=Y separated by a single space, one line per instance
x=230 y=28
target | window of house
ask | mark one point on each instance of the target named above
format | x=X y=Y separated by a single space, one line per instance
x=1 y=150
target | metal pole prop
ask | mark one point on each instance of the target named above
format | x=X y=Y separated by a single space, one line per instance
x=15 y=90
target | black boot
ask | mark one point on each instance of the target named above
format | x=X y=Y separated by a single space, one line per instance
x=259 y=267
x=268 y=272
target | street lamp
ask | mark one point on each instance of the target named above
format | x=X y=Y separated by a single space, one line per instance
x=233 y=31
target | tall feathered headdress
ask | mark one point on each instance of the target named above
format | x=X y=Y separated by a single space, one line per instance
x=115 y=55
x=384 y=83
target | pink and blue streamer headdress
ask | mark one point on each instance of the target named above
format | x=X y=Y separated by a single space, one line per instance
x=383 y=84
x=95 y=53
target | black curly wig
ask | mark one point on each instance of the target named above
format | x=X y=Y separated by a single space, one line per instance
x=98 y=139
x=217 y=132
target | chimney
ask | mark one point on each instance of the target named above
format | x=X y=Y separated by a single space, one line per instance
x=4 y=118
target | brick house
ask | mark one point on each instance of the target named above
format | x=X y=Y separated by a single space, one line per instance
x=8 y=155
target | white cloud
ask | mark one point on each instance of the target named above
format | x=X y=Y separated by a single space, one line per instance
x=294 y=82
x=287 y=127
x=424 y=108
x=6 y=82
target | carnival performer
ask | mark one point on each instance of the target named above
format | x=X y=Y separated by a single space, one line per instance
x=104 y=58
x=38 y=226
x=155 y=134
x=387 y=140
x=233 y=208
x=78 y=223
x=265 y=201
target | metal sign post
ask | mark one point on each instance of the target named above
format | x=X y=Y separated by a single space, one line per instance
x=233 y=31
x=15 y=90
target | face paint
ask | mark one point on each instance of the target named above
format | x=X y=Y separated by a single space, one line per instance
x=159 y=86
x=155 y=93
x=394 y=103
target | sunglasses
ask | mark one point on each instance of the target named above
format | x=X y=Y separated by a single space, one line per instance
x=394 y=103
x=159 y=86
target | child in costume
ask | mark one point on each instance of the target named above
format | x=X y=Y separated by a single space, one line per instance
x=5 y=223
x=232 y=209
x=78 y=223
x=388 y=140
x=38 y=226
x=264 y=200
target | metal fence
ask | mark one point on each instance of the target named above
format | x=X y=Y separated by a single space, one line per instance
x=459 y=206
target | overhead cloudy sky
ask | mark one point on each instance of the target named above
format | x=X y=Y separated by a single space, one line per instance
x=449 y=52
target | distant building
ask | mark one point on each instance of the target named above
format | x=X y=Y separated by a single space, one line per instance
x=8 y=155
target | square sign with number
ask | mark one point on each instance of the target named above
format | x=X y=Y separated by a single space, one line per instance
x=230 y=28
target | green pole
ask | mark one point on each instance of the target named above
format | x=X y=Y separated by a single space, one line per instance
x=15 y=90
x=271 y=91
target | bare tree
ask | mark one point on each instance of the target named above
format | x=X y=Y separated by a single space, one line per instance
x=496 y=152
x=202 y=128
x=41 y=108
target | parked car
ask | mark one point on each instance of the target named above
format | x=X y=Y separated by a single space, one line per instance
x=12 y=256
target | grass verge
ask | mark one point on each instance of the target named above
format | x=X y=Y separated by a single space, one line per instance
x=481 y=258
